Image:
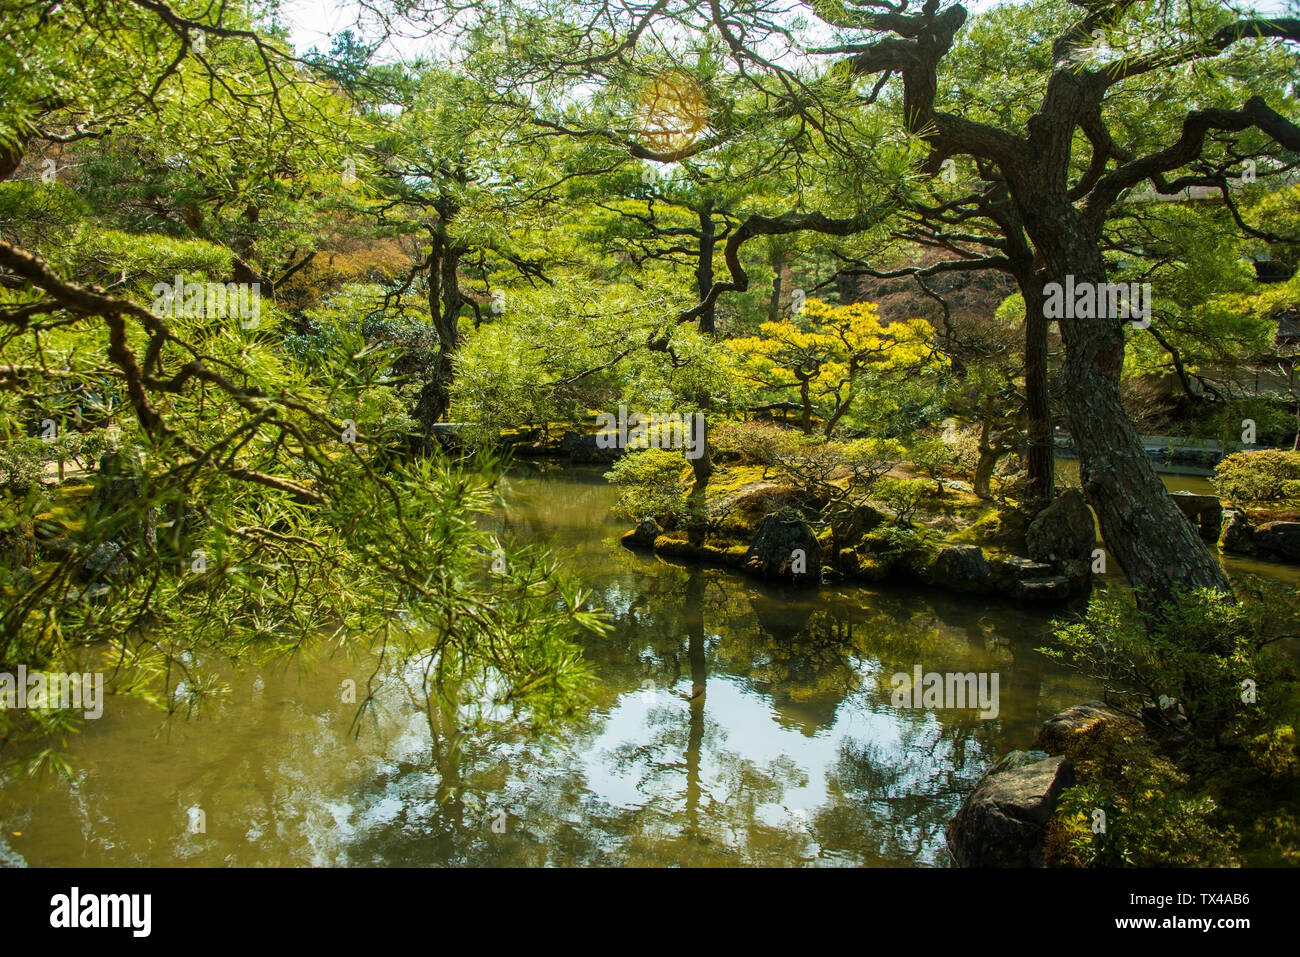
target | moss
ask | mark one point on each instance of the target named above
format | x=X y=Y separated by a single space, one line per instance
x=955 y=502
x=732 y=478
x=733 y=555
x=668 y=539
x=875 y=568
x=998 y=529
x=827 y=541
x=1097 y=747
x=691 y=544
x=740 y=498
x=67 y=512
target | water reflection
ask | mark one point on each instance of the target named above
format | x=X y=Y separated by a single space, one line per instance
x=733 y=724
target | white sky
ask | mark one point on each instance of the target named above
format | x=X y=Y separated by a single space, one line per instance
x=314 y=23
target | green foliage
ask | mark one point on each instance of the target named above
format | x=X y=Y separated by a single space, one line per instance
x=546 y=278
x=748 y=443
x=1220 y=705
x=652 y=483
x=389 y=563
x=938 y=457
x=146 y=259
x=1150 y=821
x=1196 y=652
x=1264 y=476
x=24 y=459
x=34 y=212
x=557 y=352
x=894 y=541
x=904 y=496
x=833 y=471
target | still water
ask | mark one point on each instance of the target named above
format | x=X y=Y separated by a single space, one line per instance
x=733 y=724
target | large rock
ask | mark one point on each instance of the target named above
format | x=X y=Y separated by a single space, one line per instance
x=1238 y=534
x=1028 y=580
x=106 y=562
x=1053 y=588
x=1279 y=540
x=449 y=435
x=644 y=535
x=1002 y=822
x=1004 y=530
x=1064 y=534
x=1076 y=729
x=852 y=524
x=580 y=447
x=1204 y=510
x=786 y=548
x=961 y=568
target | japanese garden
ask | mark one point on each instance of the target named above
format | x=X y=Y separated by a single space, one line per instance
x=650 y=433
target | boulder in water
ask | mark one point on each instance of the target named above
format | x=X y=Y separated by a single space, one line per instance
x=785 y=548
x=961 y=568
x=1002 y=823
x=1279 y=540
x=644 y=535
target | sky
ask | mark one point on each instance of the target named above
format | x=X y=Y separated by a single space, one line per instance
x=314 y=23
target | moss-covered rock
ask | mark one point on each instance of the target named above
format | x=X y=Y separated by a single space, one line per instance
x=996 y=529
x=961 y=568
x=1082 y=732
x=850 y=526
x=785 y=548
x=644 y=535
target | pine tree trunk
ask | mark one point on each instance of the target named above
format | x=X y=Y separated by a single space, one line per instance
x=1040 y=451
x=704 y=267
x=445 y=303
x=703 y=466
x=1156 y=545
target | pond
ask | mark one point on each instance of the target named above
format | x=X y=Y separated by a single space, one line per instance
x=734 y=724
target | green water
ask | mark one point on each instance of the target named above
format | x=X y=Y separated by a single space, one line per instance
x=734 y=724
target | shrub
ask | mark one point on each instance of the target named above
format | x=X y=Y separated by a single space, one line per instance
x=1150 y=821
x=831 y=477
x=1219 y=757
x=965 y=446
x=904 y=496
x=1196 y=651
x=936 y=457
x=1266 y=475
x=749 y=443
x=651 y=484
